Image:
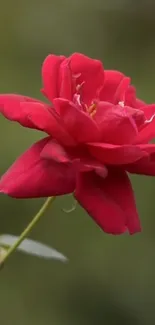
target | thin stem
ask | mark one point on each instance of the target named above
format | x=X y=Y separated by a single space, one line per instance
x=29 y=228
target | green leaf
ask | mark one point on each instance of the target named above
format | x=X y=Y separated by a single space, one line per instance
x=31 y=247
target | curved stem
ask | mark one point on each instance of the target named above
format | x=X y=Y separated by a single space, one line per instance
x=28 y=229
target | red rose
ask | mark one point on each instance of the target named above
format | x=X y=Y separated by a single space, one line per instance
x=97 y=132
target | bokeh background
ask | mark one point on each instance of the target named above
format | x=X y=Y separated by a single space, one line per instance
x=108 y=280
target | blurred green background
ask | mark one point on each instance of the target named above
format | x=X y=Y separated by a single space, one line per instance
x=109 y=280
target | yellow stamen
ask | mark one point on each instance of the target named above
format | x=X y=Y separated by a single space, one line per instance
x=93 y=113
x=92 y=110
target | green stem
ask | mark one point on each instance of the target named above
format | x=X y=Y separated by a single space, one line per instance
x=28 y=229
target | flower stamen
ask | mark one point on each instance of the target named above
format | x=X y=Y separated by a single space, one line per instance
x=91 y=110
x=79 y=87
x=150 y=120
x=121 y=103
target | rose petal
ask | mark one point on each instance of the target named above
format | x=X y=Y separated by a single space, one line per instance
x=139 y=103
x=147 y=133
x=116 y=123
x=144 y=166
x=149 y=111
x=53 y=150
x=79 y=124
x=36 y=115
x=18 y=108
x=121 y=90
x=110 y=202
x=50 y=75
x=91 y=75
x=130 y=97
x=78 y=156
x=149 y=148
x=112 y=80
x=53 y=125
x=115 y=154
x=89 y=164
x=31 y=176
x=131 y=100
x=66 y=81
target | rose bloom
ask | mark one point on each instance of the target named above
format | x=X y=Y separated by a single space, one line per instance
x=97 y=132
